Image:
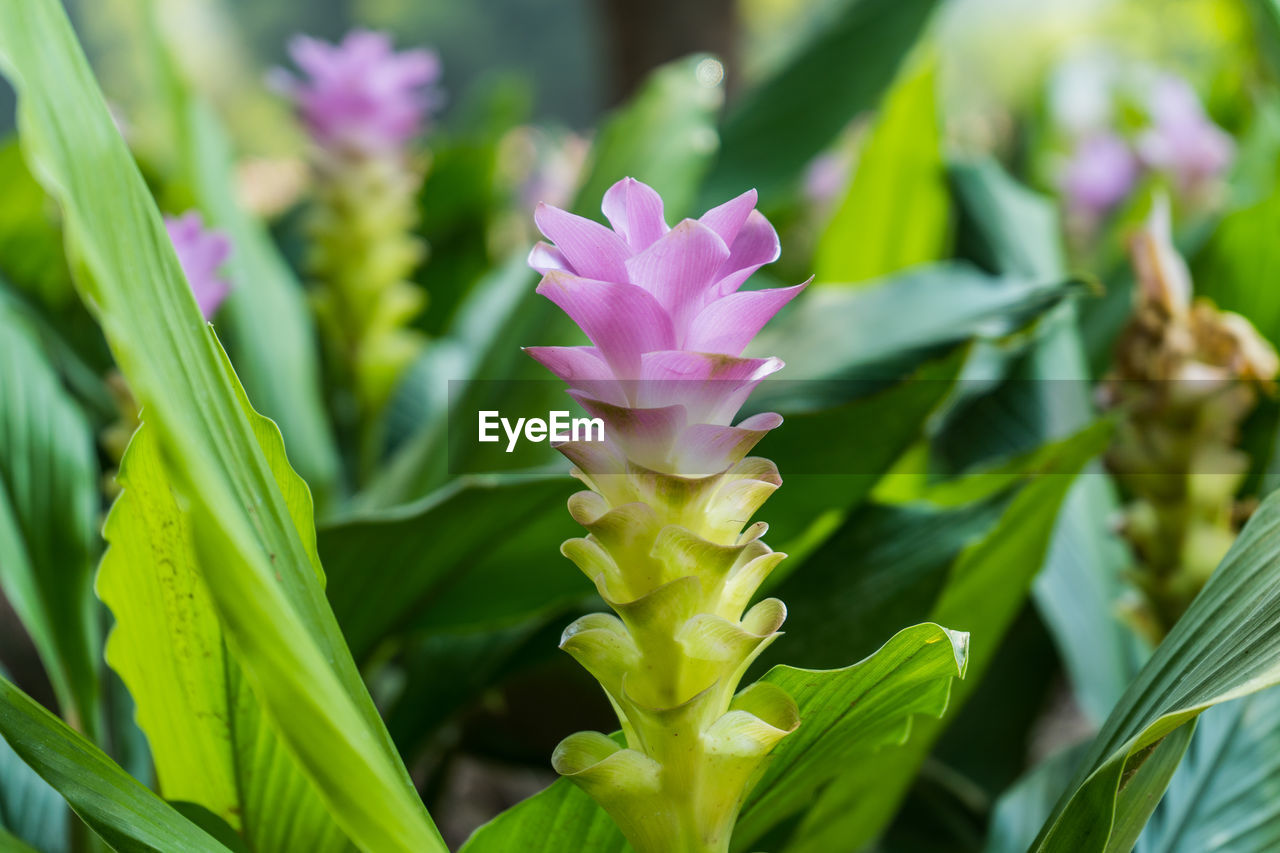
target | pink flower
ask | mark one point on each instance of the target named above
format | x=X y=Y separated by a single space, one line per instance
x=360 y=95
x=668 y=322
x=1182 y=140
x=200 y=252
x=1101 y=172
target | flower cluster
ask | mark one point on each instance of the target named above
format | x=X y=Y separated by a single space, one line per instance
x=1177 y=139
x=201 y=252
x=362 y=103
x=1186 y=375
x=670 y=494
x=360 y=95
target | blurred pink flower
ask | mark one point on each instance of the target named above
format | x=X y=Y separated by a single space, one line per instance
x=360 y=95
x=668 y=323
x=200 y=252
x=1101 y=171
x=826 y=176
x=1182 y=140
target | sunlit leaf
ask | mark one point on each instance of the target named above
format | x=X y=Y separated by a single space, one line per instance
x=895 y=213
x=210 y=742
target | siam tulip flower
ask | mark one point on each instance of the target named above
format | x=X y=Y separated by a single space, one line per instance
x=201 y=251
x=360 y=95
x=670 y=493
x=1182 y=140
x=363 y=103
x=1185 y=377
x=1100 y=173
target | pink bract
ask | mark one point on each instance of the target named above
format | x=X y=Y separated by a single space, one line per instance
x=360 y=95
x=668 y=322
x=201 y=251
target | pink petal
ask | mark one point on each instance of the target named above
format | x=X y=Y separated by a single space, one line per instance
x=727 y=219
x=680 y=268
x=732 y=282
x=711 y=387
x=728 y=324
x=544 y=257
x=572 y=364
x=756 y=244
x=635 y=211
x=592 y=250
x=584 y=369
x=311 y=55
x=623 y=320
x=644 y=435
x=707 y=449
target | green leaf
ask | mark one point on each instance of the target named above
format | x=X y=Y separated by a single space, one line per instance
x=986 y=588
x=825 y=478
x=30 y=245
x=1224 y=795
x=251 y=551
x=118 y=807
x=665 y=136
x=883 y=567
x=267 y=317
x=432 y=544
x=776 y=128
x=843 y=712
x=847 y=713
x=1004 y=226
x=48 y=510
x=836 y=331
x=1227 y=645
x=895 y=213
x=210 y=742
x=30 y=810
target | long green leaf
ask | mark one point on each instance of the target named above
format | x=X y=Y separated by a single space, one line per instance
x=118 y=807
x=896 y=211
x=843 y=712
x=1223 y=797
x=266 y=313
x=252 y=556
x=1227 y=645
x=837 y=331
x=851 y=56
x=48 y=507
x=208 y=737
x=268 y=323
x=1226 y=794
